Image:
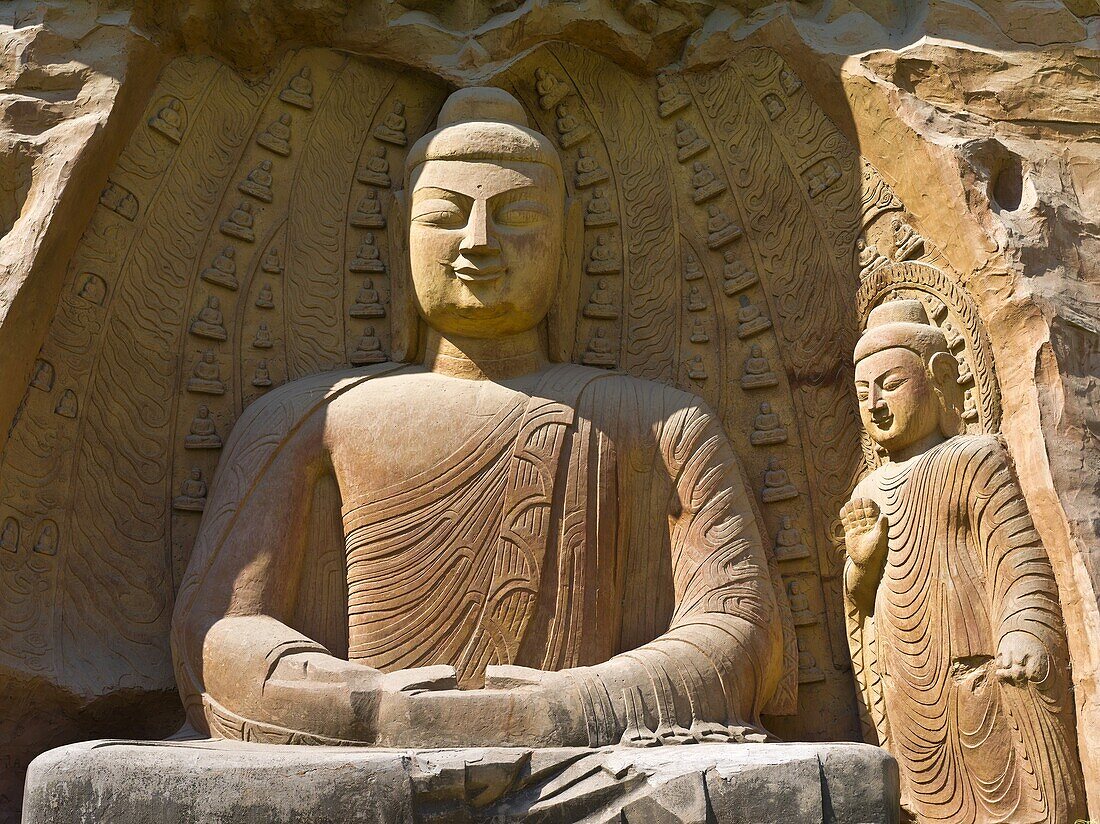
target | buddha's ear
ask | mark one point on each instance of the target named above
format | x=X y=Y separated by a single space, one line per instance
x=405 y=322
x=945 y=377
x=561 y=321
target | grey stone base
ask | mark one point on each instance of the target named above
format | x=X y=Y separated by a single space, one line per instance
x=218 y=782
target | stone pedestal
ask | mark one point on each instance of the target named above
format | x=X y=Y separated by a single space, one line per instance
x=211 y=782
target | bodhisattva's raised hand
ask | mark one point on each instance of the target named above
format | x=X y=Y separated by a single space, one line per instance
x=865 y=540
x=865 y=531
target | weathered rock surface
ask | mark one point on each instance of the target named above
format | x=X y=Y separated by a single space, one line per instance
x=235 y=783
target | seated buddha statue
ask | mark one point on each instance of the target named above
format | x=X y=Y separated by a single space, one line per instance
x=208 y=322
x=299 y=91
x=502 y=586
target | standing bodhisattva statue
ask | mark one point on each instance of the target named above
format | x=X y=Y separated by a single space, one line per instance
x=953 y=610
x=534 y=553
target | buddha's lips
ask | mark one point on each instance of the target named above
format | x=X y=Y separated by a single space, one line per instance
x=478 y=274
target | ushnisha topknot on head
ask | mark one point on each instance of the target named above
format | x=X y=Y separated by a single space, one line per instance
x=482 y=123
x=900 y=323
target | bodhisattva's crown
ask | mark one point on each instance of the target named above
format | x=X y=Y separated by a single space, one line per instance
x=900 y=323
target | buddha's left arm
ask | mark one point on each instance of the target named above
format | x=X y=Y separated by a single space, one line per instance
x=721 y=655
x=1023 y=594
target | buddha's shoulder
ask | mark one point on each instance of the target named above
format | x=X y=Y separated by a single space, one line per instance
x=645 y=391
x=286 y=406
x=983 y=447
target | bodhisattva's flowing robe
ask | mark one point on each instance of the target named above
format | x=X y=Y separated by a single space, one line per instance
x=964 y=568
x=592 y=518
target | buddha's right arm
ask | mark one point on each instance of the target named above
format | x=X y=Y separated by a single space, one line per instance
x=233 y=641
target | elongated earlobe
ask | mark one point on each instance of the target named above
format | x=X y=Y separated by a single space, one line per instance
x=561 y=321
x=405 y=322
x=944 y=370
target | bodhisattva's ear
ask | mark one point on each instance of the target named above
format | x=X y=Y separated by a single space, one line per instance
x=945 y=377
x=405 y=322
x=561 y=321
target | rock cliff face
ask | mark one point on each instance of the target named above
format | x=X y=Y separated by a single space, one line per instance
x=968 y=130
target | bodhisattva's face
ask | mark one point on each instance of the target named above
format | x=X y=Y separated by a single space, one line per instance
x=485 y=245
x=896 y=399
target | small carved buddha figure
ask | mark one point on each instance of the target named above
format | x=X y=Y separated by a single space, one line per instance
x=67 y=406
x=261 y=377
x=551 y=90
x=868 y=255
x=790 y=82
x=276 y=137
x=94 y=289
x=43 y=375
x=970 y=406
x=789 y=545
x=601 y=302
x=599 y=210
x=907 y=243
x=46 y=543
x=773 y=105
x=736 y=274
x=699 y=332
x=192 y=497
x=208 y=322
x=589 y=170
x=758 y=372
x=692 y=269
x=750 y=320
x=571 y=130
x=204 y=433
x=168 y=120
x=262 y=340
x=777 y=484
x=265 y=299
x=271 y=263
x=239 y=223
x=706 y=183
x=9 y=535
x=368 y=349
x=808 y=670
x=392 y=127
x=688 y=142
x=965 y=374
x=696 y=369
x=223 y=271
x=299 y=91
x=367 y=258
x=368 y=303
x=952 y=604
x=376 y=171
x=766 y=429
x=599 y=352
x=670 y=98
x=474 y=648
x=800 y=605
x=206 y=375
x=368 y=214
x=695 y=300
x=258 y=182
x=602 y=259
x=721 y=231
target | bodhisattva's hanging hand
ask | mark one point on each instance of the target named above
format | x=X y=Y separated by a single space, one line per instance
x=865 y=532
x=1021 y=657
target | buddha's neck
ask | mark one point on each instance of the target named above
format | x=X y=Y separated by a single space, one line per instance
x=494 y=359
x=918 y=447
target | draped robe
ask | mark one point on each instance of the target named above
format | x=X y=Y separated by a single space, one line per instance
x=964 y=568
x=592 y=516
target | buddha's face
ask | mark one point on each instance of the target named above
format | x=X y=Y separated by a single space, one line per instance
x=485 y=244
x=896 y=399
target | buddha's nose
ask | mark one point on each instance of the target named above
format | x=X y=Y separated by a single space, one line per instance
x=477 y=239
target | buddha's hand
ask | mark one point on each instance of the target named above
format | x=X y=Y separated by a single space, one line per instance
x=517 y=707
x=865 y=531
x=1021 y=657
